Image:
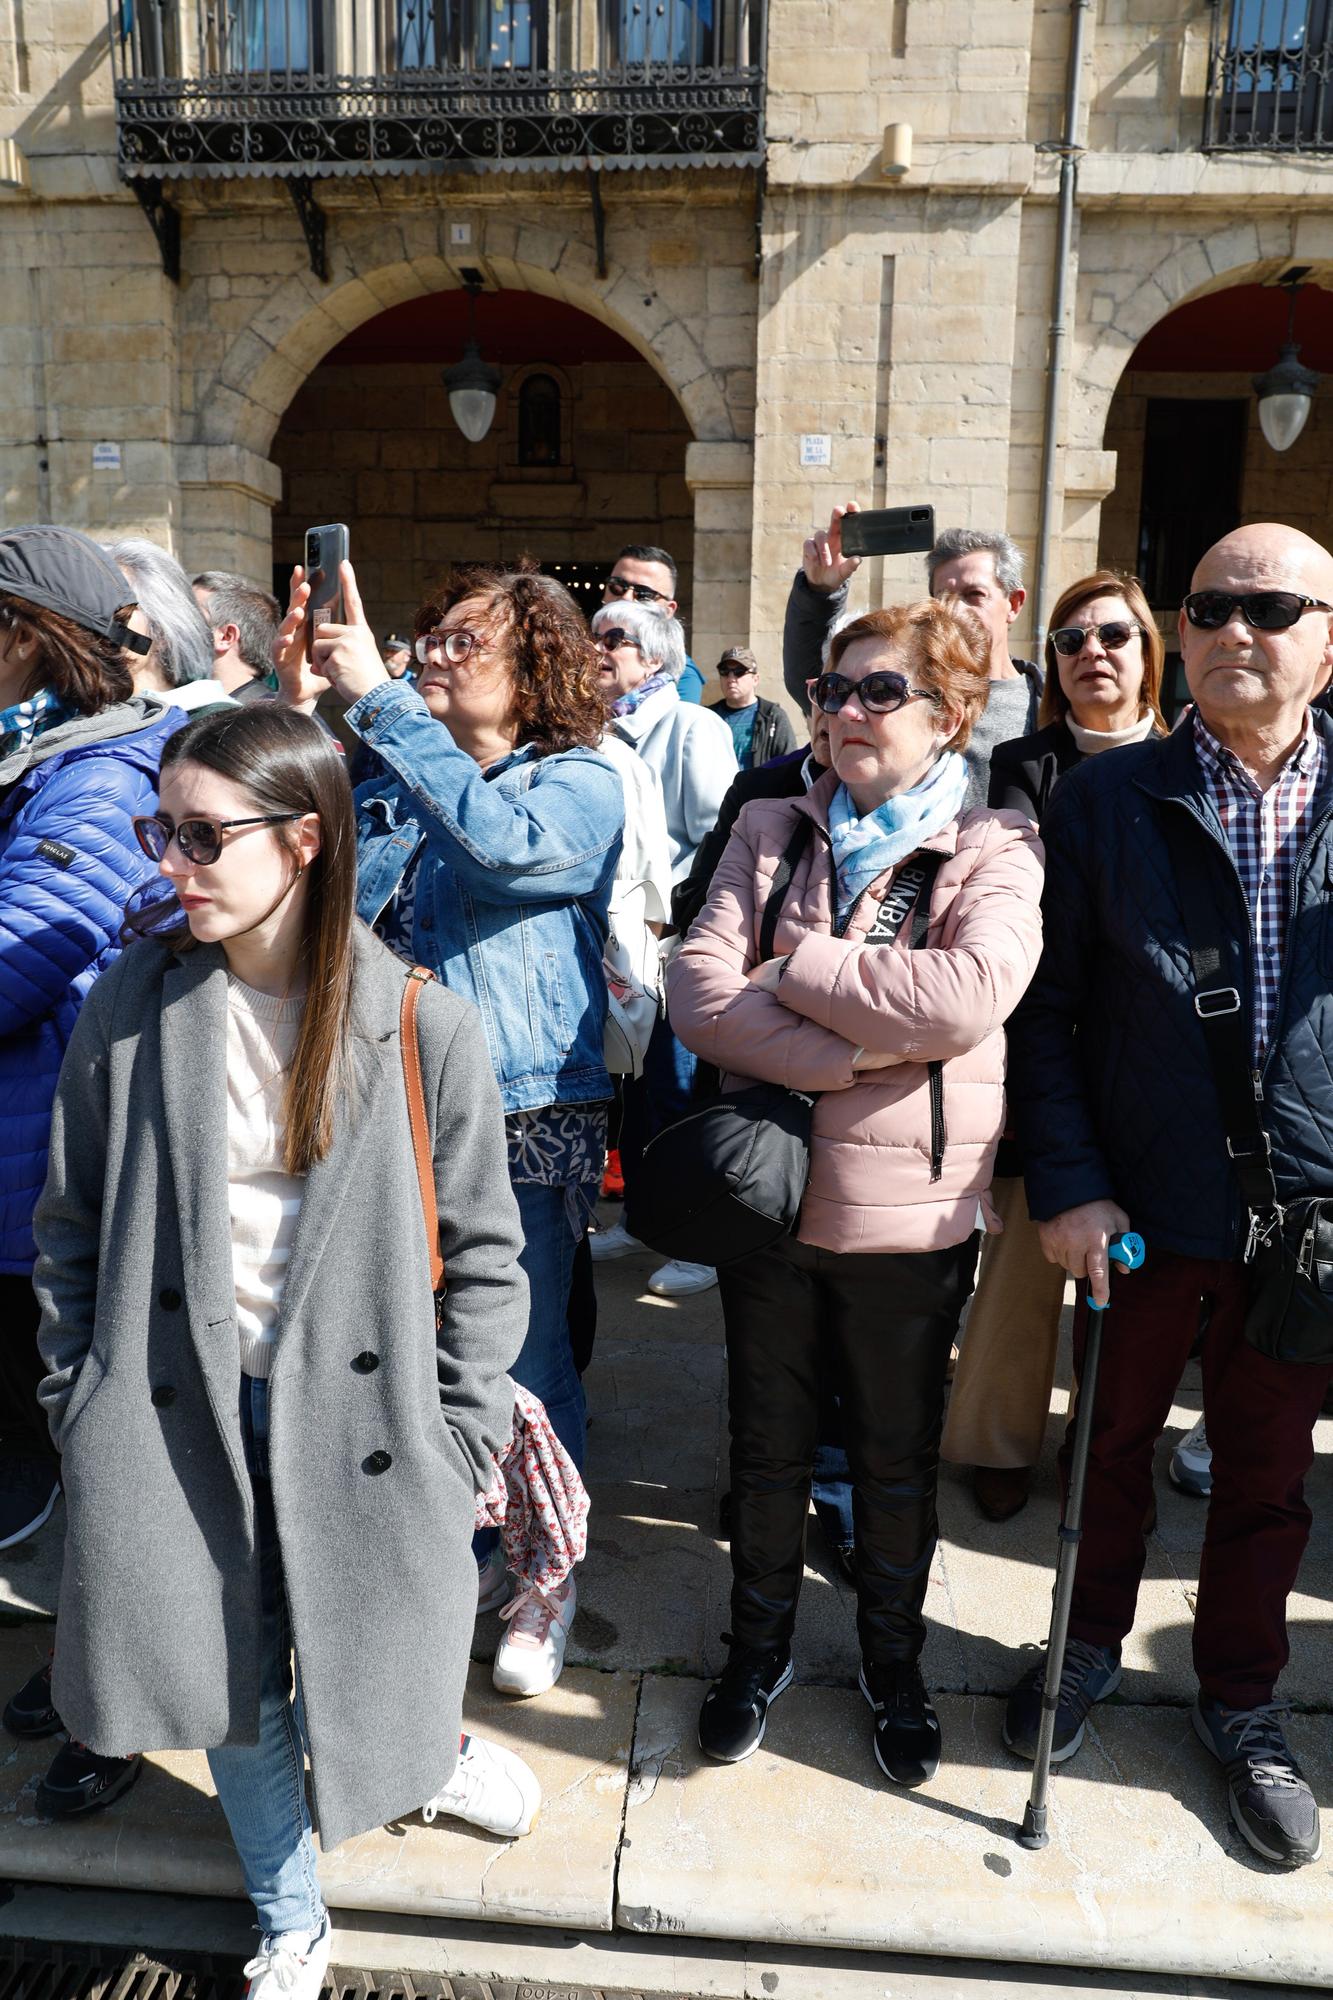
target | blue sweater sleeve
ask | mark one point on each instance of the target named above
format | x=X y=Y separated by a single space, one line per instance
x=69 y=865
x=549 y=843
x=1063 y=1162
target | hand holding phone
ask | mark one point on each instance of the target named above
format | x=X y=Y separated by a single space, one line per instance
x=889 y=531
x=344 y=651
x=298 y=685
x=826 y=565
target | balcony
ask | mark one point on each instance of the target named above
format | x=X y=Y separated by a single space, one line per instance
x=1270 y=77
x=307 y=88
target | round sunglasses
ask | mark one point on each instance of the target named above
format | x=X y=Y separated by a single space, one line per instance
x=457 y=645
x=198 y=838
x=1262 y=610
x=1070 y=640
x=880 y=693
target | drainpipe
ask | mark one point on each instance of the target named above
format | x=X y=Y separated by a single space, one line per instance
x=1068 y=148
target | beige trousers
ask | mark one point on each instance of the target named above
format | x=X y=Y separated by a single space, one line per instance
x=1001 y=1395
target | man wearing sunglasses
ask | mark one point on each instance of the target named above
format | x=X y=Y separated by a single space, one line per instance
x=1115 y=1082
x=760 y=730
x=643 y=574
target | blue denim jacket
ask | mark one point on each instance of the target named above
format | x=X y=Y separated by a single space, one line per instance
x=514 y=874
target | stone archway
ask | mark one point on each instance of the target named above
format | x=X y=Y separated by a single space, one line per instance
x=229 y=486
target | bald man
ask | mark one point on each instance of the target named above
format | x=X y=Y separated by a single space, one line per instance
x=1116 y=1100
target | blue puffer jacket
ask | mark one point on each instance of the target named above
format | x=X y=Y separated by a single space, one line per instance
x=1109 y=1078
x=511 y=891
x=68 y=861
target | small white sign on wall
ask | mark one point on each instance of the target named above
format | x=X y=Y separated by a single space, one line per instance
x=816 y=448
x=106 y=457
x=460 y=233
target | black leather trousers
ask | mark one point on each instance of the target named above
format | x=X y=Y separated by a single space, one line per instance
x=885 y=1323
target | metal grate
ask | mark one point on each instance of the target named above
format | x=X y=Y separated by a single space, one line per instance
x=1270 y=80
x=32 y=1971
x=317 y=87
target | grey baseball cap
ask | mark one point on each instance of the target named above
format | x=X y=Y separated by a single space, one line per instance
x=65 y=571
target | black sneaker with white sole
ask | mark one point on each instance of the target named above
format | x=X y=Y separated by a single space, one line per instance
x=1271 y=1803
x=80 y=1781
x=734 y=1715
x=1089 y=1674
x=907 y=1729
x=31 y=1712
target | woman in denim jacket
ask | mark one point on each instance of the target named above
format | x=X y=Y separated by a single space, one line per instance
x=488 y=855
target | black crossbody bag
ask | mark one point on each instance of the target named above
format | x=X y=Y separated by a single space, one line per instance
x=1288 y=1247
x=729 y=1178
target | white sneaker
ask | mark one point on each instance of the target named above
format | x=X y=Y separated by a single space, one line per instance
x=493 y=1585
x=490 y=1788
x=678 y=1279
x=532 y=1651
x=1191 y=1467
x=616 y=1242
x=290 y=1967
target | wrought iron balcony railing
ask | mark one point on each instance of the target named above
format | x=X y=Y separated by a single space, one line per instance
x=315 y=87
x=1270 y=77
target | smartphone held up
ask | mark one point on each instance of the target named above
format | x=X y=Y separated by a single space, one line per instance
x=888 y=531
x=325 y=549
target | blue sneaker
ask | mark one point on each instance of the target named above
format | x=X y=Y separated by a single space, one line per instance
x=1090 y=1674
x=1271 y=1803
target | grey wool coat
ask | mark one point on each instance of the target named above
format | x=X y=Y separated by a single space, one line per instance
x=379 y=1436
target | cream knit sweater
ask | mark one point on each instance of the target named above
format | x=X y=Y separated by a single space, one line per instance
x=265 y=1199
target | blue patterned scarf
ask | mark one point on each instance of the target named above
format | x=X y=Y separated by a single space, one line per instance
x=626 y=704
x=24 y=721
x=864 y=845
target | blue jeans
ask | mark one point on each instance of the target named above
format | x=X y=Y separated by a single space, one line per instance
x=545 y=1365
x=262 y=1785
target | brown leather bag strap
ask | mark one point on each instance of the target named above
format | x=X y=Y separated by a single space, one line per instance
x=416 y=1112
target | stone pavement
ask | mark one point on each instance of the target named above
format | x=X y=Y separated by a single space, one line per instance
x=806 y=1845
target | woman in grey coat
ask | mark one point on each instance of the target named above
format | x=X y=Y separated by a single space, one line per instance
x=266 y=1444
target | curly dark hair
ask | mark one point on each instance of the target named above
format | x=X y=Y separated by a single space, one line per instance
x=554 y=661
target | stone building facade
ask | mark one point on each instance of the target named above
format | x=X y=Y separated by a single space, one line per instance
x=786 y=289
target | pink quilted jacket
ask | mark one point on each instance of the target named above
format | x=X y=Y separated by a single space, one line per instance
x=870 y=1187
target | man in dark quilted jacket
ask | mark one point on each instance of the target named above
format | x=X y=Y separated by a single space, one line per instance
x=1121 y=1125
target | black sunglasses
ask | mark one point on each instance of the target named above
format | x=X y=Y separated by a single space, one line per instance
x=1070 y=640
x=199 y=839
x=878 y=693
x=733 y=673
x=615 y=635
x=642 y=593
x=1262 y=610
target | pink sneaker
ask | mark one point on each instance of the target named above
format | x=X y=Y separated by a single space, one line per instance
x=532 y=1651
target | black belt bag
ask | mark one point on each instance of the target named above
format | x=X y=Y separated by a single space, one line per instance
x=1288 y=1246
x=729 y=1179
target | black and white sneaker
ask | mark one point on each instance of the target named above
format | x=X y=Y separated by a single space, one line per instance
x=734 y=1715
x=1271 y=1803
x=907 y=1729
x=31 y=1712
x=81 y=1781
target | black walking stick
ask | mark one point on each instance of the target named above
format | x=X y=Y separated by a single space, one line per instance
x=1128 y=1252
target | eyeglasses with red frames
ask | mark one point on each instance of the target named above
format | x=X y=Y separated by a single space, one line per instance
x=199 y=838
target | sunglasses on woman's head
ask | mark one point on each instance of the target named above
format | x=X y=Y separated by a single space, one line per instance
x=878 y=693
x=198 y=838
x=642 y=593
x=1070 y=640
x=1262 y=610
x=456 y=645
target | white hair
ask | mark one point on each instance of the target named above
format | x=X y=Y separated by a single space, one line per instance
x=659 y=639
x=182 y=643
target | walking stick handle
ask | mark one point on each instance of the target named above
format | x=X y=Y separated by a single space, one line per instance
x=1128 y=1251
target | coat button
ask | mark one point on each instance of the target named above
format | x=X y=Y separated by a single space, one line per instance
x=169 y=1300
x=164 y=1396
x=379 y=1461
x=367 y=1363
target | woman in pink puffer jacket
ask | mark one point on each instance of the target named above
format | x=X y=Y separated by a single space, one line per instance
x=905 y=1047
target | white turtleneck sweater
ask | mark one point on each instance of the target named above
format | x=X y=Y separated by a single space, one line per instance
x=1090 y=741
x=265 y=1198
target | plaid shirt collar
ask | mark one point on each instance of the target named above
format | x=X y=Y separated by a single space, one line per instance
x=1220 y=763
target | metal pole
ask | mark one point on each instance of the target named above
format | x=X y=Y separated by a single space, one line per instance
x=1064 y=235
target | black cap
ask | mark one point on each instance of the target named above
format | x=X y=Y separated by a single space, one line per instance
x=65 y=571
